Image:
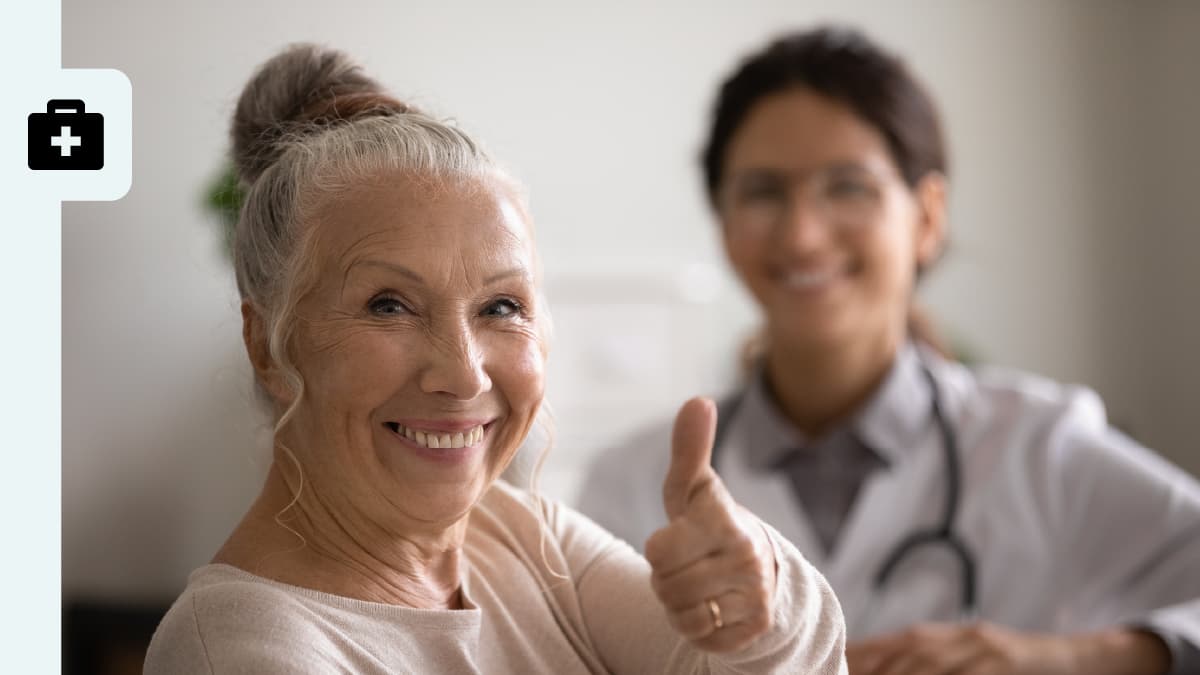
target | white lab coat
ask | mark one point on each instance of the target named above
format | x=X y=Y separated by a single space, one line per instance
x=1073 y=525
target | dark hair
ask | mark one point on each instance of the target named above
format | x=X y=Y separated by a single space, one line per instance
x=844 y=65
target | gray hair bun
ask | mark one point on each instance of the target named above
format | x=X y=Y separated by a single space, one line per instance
x=303 y=89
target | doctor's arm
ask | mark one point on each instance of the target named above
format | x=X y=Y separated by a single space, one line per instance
x=1131 y=528
x=1127 y=529
x=990 y=649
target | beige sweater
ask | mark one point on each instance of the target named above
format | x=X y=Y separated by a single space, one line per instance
x=518 y=617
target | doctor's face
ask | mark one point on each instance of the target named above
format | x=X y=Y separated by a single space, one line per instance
x=419 y=347
x=819 y=224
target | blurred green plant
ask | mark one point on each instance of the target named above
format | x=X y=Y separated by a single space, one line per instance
x=223 y=198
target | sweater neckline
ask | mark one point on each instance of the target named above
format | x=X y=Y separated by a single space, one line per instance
x=467 y=617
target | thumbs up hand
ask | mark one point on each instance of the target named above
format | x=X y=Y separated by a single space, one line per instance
x=712 y=566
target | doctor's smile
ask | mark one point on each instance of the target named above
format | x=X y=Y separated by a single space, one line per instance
x=810 y=282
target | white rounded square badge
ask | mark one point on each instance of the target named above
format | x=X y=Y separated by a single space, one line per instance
x=79 y=135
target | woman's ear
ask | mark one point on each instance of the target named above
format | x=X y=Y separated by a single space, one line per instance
x=931 y=218
x=258 y=348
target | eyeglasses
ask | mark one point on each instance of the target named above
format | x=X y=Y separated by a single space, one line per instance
x=840 y=195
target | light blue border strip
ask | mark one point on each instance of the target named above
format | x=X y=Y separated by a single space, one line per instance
x=30 y=349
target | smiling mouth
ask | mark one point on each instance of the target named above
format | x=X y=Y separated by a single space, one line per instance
x=439 y=440
x=811 y=279
x=808 y=280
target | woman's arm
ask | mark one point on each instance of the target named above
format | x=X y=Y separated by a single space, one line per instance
x=777 y=613
x=632 y=633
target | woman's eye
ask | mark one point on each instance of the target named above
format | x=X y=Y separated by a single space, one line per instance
x=761 y=193
x=850 y=188
x=502 y=308
x=387 y=306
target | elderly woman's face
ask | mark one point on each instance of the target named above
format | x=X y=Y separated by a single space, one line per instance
x=419 y=347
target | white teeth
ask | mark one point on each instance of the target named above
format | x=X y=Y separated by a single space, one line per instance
x=461 y=439
x=807 y=279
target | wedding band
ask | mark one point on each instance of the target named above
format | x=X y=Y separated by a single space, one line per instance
x=715 y=610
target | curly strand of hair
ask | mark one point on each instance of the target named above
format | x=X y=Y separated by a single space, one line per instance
x=281 y=334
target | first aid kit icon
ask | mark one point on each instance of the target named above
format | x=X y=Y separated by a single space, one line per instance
x=66 y=137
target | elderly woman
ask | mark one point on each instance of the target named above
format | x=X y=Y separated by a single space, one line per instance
x=392 y=316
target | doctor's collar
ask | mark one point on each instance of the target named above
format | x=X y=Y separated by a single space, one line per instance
x=898 y=415
x=891 y=422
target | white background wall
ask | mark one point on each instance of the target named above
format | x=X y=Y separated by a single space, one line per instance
x=1075 y=223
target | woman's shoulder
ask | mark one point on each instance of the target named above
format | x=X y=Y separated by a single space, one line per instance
x=225 y=614
x=1041 y=426
x=994 y=395
x=529 y=515
x=217 y=588
x=224 y=599
x=538 y=530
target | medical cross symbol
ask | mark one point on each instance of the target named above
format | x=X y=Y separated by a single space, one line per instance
x=65 y=137
x=65 y=141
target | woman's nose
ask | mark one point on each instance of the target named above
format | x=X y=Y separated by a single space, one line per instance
x=805 y=223
x=455 y=367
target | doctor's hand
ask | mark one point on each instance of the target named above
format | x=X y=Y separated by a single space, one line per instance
x=713 y=566
x=990 y=649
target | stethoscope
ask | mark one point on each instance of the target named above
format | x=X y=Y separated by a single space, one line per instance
x=942 y=534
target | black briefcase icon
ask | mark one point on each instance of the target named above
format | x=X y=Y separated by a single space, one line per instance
x=66 y=137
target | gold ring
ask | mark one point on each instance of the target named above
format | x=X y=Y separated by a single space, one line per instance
x=715 y=611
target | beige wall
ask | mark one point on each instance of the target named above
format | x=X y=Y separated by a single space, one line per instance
x=1074 y=208
x=1171 y=225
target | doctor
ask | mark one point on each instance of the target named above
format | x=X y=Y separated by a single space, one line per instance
x=969 y=521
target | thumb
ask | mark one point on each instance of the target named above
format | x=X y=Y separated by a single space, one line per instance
x=691 y=454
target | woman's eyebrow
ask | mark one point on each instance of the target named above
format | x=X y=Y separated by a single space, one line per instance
x=405 y=271
x=514 y=272
x=835 y=166
x=845 y=167
x=755 y=172
x=394 y=267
